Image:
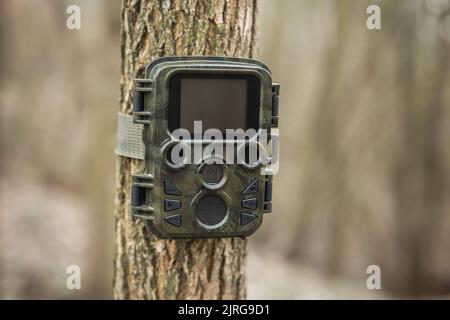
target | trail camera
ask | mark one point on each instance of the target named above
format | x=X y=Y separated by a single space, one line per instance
x=208 y=143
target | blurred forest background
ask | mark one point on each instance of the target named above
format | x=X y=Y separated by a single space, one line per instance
x=365 y=157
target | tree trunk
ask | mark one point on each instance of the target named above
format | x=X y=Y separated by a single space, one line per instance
x=147 y=267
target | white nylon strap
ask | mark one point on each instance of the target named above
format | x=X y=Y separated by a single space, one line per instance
x=129 y=137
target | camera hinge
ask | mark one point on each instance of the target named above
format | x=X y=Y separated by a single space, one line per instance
x=141 y=189
x=275 y=104
x=142 y=88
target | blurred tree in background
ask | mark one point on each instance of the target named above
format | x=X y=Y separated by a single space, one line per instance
x=365 y=127
x=58 y=97
x=365 y=162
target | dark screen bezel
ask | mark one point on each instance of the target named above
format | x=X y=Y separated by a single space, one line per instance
x=253 y=97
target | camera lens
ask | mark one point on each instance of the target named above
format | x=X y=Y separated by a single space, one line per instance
x=212 y=174
x=250 y=154
x=175 y=158
x=211 y=211
x=175 y=155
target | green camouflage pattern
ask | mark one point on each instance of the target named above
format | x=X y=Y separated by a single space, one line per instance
x=188 y=180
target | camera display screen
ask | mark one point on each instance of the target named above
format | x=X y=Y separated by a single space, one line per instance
x=219 y=101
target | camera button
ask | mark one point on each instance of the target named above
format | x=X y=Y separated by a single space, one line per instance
x=169 y=188
x=251 y=188
x=250 y=203
x=170 y=205
x=174 y=219
x=246 y=218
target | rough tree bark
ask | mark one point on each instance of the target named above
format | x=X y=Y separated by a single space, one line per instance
x=147 y=267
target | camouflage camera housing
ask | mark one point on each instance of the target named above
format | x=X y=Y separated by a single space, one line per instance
x=178 y=200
